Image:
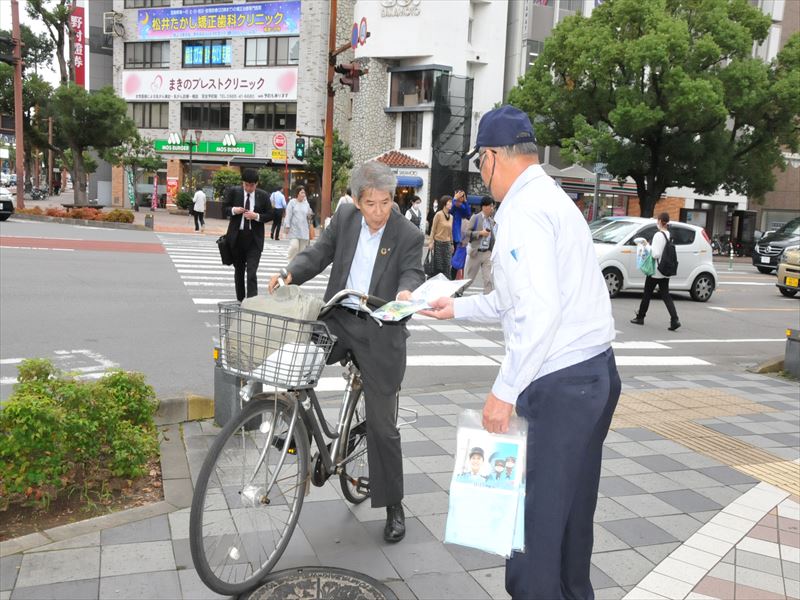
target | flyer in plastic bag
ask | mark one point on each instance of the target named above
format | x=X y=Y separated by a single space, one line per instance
x=487 y=490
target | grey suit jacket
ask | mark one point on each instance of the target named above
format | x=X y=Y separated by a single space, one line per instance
x=398 y=264
x=470 y=233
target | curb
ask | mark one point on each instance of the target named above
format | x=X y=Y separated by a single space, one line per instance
x=771 y=365
x=85 y=222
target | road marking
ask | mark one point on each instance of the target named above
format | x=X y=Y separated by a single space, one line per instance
x=450 y=360
x=638 y=346
x=753 y=309
x=659 y=361
x=733 y=341
x=745 y=283
x=35 y=248
x=95 y=245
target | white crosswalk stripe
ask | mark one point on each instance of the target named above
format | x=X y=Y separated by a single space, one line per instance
x=433 y=343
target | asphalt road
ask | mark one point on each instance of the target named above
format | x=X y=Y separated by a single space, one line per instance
x=92 y=298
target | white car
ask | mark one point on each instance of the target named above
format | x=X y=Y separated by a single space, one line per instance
x=616 y=252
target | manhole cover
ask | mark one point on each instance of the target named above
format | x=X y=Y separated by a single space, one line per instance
x=306 y=583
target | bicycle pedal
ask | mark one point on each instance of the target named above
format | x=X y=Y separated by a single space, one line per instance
x=362 y=485
x=280 y=441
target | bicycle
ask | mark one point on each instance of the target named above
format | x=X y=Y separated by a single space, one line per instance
x=251 y=486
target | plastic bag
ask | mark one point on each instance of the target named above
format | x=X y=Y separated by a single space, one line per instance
x=644 y=260
x=487 y=489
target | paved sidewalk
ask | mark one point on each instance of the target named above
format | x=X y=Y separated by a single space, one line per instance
x=698 y=498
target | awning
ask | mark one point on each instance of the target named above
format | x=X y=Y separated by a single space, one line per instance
x=409 y=181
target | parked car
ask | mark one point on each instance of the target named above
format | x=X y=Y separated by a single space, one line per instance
x=616 y=253
x=6 y=204
x=769 y=248
x=789 y=271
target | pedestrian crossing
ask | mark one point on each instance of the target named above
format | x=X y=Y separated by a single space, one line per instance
x=433 y=344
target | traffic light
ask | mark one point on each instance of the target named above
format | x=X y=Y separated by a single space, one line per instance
x=7 y=49
x=352 y=72
x=300 y=148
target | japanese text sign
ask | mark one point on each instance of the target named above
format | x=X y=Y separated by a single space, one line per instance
x=225 y=20
x=77 y=25
x=276 y=83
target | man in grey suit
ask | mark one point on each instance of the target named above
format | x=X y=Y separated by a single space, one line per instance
x=479 y=234
x=248 y=208
x=373 y=249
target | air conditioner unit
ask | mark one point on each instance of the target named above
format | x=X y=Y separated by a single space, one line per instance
x=112 y=24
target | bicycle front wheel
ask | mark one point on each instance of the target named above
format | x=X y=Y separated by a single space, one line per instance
x=356 y=462
x=240 y=524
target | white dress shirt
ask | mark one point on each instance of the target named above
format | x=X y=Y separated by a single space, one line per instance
x=363 y=263
x=549 y=293
x=249 y=204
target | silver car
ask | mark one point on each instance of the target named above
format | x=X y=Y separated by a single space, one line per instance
x=616 y=252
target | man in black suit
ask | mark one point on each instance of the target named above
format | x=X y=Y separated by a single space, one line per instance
x=248 y=208
x=374 y=249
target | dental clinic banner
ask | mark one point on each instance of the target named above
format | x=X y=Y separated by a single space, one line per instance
x=226 y=20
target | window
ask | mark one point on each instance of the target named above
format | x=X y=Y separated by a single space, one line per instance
x=145 y=3
x=205 y=115
x=411 y=130
x=410 y=88
x=572 y=5
x=147 y=55
x=206 y=53
x=535 y=48
x=681 y=236
x=149 y=115
x=270 y=51
x=199 y=2
x=267 y=116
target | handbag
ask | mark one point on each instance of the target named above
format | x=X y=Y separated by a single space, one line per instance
x=225 y=251
x=645 y=260
x=427 y=264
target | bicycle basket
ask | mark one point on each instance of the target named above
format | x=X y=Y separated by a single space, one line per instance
x=276 y=350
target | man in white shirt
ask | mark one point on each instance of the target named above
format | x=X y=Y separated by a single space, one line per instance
x=346 y=199
x=559 y=370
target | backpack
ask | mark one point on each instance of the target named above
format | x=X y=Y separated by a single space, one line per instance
x=668 y=263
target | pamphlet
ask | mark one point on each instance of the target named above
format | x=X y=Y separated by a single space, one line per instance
x=487 y=489
x=433 y=288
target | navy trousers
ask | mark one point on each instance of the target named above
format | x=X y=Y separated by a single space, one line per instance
x=568 y=413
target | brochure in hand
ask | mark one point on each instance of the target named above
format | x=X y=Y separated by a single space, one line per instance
x=487 y=490
x=433 y=288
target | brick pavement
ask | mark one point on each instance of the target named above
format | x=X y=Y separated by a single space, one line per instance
x=697 y=499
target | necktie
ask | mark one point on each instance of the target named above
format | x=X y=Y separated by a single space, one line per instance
x=247 y=206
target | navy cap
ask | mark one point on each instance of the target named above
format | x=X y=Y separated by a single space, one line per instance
x=476 y=450
x=504 y=126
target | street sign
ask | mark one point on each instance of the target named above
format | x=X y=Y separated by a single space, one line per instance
x=279 y=155
x=279 y=141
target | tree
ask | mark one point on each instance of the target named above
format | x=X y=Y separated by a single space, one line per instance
x=54 y=14
x=37 y=50
x=135 y=153
x=667 y=92
x=269 y=179
x=225 y=178
x=98 y=120
x=342 y=157
x=36 y=93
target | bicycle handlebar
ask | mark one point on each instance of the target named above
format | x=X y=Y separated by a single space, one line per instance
x=364 y=300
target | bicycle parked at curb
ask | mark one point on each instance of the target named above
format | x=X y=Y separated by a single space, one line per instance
x=251 y=486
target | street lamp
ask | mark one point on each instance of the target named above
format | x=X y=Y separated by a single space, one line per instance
x=191 y=139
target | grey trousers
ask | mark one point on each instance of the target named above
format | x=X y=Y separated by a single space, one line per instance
x=381 y=355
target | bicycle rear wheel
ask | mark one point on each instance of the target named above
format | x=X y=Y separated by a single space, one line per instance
x=355 y=450
x=238 y=528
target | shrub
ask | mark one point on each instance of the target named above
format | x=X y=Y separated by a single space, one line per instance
x=55 y=211
x=90 y=214
x=36 y=210
x=118 y=215
x=224 y=178
x=184 y=200
x=59 y=433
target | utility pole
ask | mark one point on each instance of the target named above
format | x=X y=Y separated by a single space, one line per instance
x=327 y=155
x=18 y=133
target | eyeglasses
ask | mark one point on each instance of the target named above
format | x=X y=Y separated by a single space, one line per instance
x=478 y=160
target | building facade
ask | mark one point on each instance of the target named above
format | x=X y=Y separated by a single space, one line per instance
x=216 y=83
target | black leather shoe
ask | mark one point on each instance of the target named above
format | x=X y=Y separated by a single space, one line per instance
x=674 y=325
x=395 y=529
x=637 y=320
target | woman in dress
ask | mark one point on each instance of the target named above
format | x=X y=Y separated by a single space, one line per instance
x=296 y=223
x=442 y=237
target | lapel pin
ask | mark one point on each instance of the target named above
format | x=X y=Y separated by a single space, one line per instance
x=385 y=251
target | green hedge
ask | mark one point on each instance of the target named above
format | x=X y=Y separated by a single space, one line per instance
x=58 y=433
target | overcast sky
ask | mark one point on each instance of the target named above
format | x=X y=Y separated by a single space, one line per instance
x=5 y=23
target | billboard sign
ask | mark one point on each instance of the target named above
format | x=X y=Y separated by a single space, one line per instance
x=275 y=83
x=78 y=26
x=222 y=20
